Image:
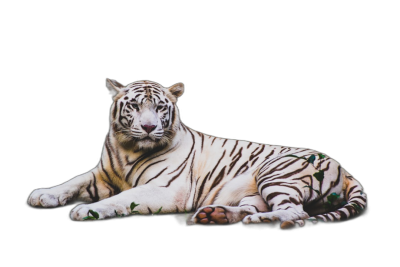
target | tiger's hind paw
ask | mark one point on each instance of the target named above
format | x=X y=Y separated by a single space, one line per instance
x=211 y=215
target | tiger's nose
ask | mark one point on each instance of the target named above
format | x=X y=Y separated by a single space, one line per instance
x=148 y=128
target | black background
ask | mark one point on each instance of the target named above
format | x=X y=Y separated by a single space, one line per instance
x=301 y=87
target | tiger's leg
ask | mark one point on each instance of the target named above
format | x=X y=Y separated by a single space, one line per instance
x=149 y=199
x=220 y=214
x=284 y=208
x=88 y=187
x=285 y=204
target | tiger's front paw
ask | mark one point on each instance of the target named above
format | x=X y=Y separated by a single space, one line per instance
x=49 y=197
x=81 y=212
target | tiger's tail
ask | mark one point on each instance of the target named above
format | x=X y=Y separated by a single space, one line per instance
x=356 y=202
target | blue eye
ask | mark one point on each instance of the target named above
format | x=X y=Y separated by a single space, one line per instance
x=159 y=108
x=135 y=106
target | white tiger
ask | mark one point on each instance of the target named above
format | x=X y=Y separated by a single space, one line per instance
x=151 y=158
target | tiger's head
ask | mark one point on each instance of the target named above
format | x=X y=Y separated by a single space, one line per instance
x=144 y=115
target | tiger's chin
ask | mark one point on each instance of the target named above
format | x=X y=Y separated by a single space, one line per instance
x=147 y=143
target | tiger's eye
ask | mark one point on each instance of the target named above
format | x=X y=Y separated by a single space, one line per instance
x=159 y=108
x=135 y=106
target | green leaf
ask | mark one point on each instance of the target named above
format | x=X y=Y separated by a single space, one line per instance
x=319 y=175
x=89 y=218
x=158 y=211
x=332 y=197
x=311 y=159
x=133 y=206
x=95 y=214
x=321 y=156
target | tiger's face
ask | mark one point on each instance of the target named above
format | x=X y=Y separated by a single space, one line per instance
x=144 y=115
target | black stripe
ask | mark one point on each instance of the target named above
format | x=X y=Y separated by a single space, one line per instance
x=176 y=176
x=218 y=178
x=264 y=176
x=116 y=189
x=215 y=167
x=190 y=152
x=202 y=142
x=224 y=142
x=169 y=115
x=259 y=152
x=157 y=175
x=250 y=206
x=294 y=201
x=173 y=115
x=201 y=190
x=156 y=156
x=115 y=152
x=360 y=197
x=120 y=113
x=96 y=192
x=213 y=140
x=350 y=190
x=244 y=165
x=272 y=195
x=254 y=161
x=230 y=155
x=235 y=160
x=88 y=190
x=115 y=111
x=139 y=159
x=285 y=201
x=111 y=160
x=320 y=183
x=137 y=179
x=343 y=215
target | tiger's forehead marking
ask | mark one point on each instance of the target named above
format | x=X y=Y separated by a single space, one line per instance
x=141 y=91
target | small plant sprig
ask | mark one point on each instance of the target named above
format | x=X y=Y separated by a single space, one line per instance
x=116 y=214
x=158 y=211
x=133 y=206
x=95 y=216
x=133 y=212
x=319 y=175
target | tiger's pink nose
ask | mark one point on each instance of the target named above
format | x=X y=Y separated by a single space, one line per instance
x=148 y=128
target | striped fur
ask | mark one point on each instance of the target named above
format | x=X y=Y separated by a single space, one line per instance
x=177 y=169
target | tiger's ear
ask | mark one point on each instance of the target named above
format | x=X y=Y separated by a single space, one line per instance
x=177 y=89
x=114 y=86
